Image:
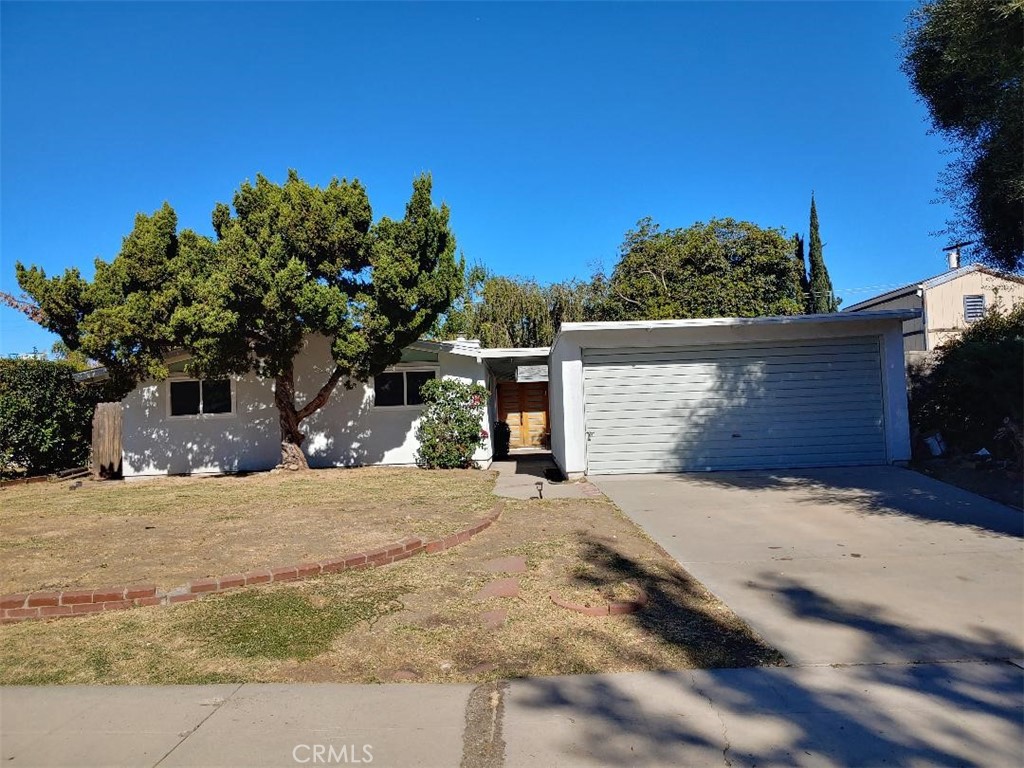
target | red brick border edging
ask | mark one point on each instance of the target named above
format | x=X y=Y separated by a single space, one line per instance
x=615 y=608
x=79 y=602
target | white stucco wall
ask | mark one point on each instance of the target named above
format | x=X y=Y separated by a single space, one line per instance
x=568 y=444
x=347 y=431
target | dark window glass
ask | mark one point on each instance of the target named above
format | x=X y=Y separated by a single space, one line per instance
x=389 y=389
x=217 y=396
x=184 y=398
x=414 y=380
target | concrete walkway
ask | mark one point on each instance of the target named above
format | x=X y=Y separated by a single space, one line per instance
x=528 y=476
x=929 y=714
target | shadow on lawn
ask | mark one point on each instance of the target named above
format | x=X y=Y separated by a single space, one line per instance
x=629 y=720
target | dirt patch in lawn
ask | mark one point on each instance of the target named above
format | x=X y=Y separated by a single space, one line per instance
x=172 y=530
x=418 y=620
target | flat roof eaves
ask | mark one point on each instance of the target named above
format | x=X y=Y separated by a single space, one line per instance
x=888 y=315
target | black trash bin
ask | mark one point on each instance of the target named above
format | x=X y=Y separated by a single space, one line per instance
x=502 y=438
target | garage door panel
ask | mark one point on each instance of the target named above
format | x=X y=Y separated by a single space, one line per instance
x=659 y=431
x=682 y=405
x=751 y=350
x=672 y=409
x=642 y=383
x=613 y=442
x=659 y=360
x=723 y=450
x=856 y=388
x=694 y=374
x=660 y=365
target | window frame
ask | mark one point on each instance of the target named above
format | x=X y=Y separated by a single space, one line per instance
x=196 y=416
x=402 y=368
x=984 y=307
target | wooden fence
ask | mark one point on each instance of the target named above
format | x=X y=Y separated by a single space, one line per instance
x=106 y=441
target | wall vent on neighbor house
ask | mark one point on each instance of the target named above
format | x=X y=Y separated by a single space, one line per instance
x=974 y=307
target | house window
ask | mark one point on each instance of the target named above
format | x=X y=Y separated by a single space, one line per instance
x=397 y=388
x=974 y=308
x=194 y=397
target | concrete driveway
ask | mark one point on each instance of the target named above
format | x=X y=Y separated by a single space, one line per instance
x=845 y=566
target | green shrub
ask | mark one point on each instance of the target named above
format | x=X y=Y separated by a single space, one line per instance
x=976 y=382
x=449 y=431
x=45 y=416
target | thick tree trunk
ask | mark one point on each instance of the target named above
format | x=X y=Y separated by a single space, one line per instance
x=292 y=456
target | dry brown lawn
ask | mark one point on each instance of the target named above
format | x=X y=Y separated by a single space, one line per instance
x=416 y=620
x=171 y=530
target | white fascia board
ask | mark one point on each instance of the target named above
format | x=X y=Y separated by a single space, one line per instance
x=515 y=352
x=500 y=352
x=888 y=315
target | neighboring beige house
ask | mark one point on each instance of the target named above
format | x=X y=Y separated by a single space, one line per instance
x=948 y=302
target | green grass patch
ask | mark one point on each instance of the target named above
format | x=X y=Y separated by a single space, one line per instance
x=283 y=624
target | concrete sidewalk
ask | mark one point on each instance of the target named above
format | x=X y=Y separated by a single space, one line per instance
x=925 y=714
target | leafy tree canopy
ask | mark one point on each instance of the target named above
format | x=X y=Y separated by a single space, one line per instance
x=965 y=59
x=289 y=260
x=505 y=311
x=722 y=268
x=45 y=416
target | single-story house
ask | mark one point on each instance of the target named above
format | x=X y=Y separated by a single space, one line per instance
x=673 y=395
x=182 y=425
x=946 y=303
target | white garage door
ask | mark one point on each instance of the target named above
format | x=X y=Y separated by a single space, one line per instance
x=792 y=404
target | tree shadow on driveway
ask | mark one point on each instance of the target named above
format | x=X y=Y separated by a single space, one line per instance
x=945 y=714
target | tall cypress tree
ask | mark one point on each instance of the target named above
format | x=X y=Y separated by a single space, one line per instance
x=822 y=300
x=803 y=284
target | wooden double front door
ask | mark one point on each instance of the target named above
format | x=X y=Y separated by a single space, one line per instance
x=524 y=407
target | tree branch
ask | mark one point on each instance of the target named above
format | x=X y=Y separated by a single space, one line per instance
x=318 y=402
x=32 y=311
x=625 y=298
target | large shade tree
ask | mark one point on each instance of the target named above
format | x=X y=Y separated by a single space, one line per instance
x=721 y=268
x=503 y=311
x=965 y=59
x=289 y=260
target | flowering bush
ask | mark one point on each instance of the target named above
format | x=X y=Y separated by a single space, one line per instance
x=449 y=432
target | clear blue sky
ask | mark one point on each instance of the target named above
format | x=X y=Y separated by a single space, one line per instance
x=549 y=129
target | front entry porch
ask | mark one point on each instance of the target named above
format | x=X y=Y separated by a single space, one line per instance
x=524 y=407
x=518 y=382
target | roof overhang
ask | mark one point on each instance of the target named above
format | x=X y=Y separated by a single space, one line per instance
x=929 y=283
x=719 y=322
x=515 y=352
